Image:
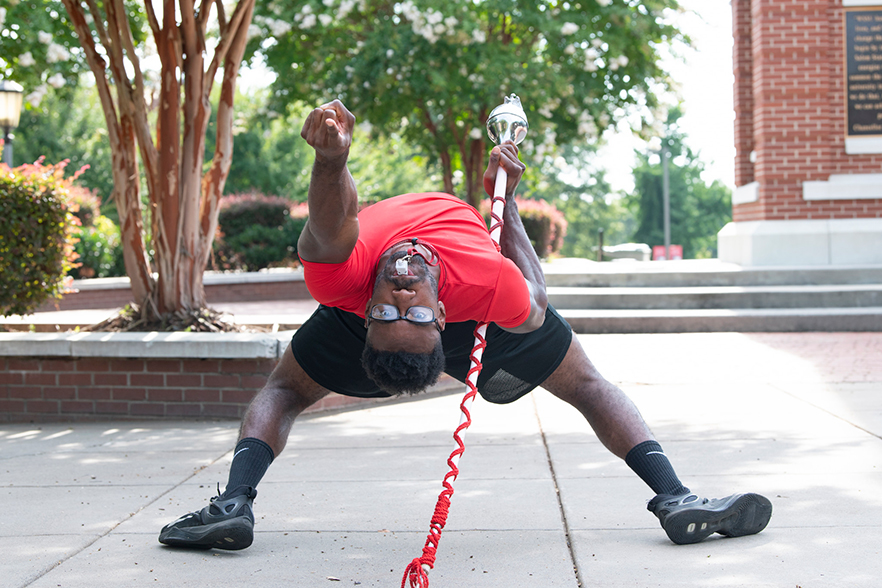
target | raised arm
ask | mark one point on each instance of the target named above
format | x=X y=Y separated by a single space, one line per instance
x=331 y=231
x=513 y=241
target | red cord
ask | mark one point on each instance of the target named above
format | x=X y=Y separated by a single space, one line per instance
x=495 y=221
x=415 y=572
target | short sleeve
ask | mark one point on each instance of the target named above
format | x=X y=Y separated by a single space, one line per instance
x=510 y=305
x=343 y=285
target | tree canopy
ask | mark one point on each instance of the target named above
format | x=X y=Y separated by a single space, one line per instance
x=38 y=48
x=270 y=157
x=432 y=70
x=698 y=210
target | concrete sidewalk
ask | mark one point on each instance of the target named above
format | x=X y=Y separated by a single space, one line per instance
x=539 y=502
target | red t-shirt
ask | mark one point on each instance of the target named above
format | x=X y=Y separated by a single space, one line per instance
x=477 y=282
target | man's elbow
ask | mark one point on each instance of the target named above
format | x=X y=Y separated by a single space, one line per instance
x=535 y=319
x=534 y=323
x=537 y=314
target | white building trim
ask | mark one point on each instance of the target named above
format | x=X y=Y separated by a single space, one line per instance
x=861 y=145
x=844 y=187
x=746 y=193
x=802 y=242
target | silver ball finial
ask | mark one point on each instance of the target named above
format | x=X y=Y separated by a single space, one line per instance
x=508 y=122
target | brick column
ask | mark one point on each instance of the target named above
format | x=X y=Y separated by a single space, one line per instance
x=804 y=200
x=742 y=56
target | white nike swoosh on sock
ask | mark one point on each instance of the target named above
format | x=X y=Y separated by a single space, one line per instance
x=647 y=453
x=240 y=451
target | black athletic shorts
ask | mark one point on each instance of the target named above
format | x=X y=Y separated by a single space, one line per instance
x=329 y=346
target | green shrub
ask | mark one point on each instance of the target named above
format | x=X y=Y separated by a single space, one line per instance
x=85 y=205
x=238 y=212
x=36 y=242
x=545 y=225
x=98 y=247
x=97 y=239
x=257 y=231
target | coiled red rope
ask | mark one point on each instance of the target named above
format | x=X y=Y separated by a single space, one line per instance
x=417 y=571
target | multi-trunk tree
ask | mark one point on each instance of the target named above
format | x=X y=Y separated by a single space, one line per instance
x=183 y=197
x=192 y=41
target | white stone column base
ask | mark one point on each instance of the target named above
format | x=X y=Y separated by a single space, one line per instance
x=802 y=242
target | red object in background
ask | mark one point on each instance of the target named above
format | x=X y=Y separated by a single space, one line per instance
x=658 y=252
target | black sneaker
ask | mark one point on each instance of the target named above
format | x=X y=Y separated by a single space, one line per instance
x=689 y=519
x=226 y=523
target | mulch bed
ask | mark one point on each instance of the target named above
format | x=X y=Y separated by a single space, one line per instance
x=132 y=318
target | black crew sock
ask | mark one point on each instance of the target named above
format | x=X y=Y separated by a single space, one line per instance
x=250 y=462
x=649 y=461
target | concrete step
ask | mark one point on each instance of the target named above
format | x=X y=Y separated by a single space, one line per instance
x=699 y=272
x=635 y=297
x=709 y=295
x=725 y=320
x=719 y=297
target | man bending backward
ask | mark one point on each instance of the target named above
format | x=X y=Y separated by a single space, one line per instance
x=401 y=286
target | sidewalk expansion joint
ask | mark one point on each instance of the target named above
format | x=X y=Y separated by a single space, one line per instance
x=831 y=413
x=560 y=506
x=33 y=578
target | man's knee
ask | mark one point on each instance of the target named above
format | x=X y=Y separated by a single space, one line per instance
x=291 y=387
x=576 y=370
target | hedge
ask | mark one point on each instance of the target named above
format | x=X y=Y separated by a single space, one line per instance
x=545 y=225
x=36 y=241
x=256 y=231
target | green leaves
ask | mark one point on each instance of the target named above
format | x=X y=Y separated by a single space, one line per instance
x=433 y=69
x=698 y=210
x=39 y=48
x=36 y=250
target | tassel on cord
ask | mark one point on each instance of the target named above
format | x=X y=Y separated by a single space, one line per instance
x=417 y=572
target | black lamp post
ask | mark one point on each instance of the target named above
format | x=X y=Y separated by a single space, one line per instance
x=666 y=198
x=10 y=111
x=660 y=146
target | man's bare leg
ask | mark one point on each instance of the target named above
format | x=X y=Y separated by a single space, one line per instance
x=611 y=414
x=685 y=517
x=228 y=522
x=614 y=418
x=268 y=421
x=287 y=393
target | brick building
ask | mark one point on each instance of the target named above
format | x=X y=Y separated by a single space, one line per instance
x=808 y=167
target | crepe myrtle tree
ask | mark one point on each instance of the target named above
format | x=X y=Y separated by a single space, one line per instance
x=156 y=120
x=434 y=69
x=193 y=42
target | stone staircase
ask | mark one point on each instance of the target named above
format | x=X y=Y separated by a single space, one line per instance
x=610 y=297
x=709 y=296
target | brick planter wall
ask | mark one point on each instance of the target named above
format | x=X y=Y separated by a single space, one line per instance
x=52 y=389
x=101 y=376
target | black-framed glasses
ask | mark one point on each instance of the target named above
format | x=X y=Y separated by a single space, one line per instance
x=388 y=313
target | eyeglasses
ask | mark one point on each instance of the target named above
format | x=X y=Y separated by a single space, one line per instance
x=388 y=313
